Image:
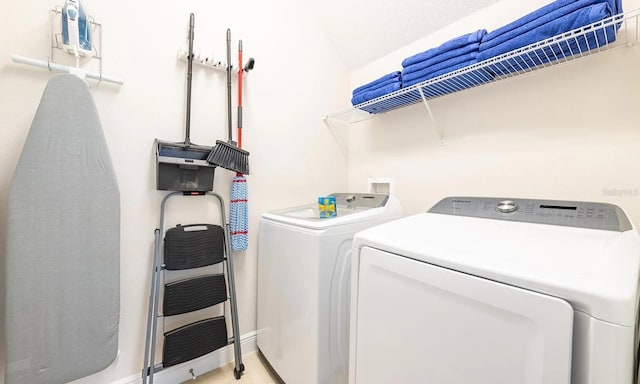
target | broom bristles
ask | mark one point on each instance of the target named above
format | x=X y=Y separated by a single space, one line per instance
x=227 y=155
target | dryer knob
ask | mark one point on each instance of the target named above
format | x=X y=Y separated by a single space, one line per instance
x=507 y=206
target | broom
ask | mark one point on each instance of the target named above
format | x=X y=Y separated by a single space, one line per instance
x=238 y=207
x=227 y=154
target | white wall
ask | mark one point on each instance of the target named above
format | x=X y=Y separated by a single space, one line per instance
x=565 y=132
x=294 y=158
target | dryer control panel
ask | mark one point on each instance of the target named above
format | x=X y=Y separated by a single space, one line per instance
x=580 y=214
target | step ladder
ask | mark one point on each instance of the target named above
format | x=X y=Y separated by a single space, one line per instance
x=191 y=248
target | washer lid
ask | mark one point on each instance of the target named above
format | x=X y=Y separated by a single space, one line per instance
x=597 y=271
x=350 y=208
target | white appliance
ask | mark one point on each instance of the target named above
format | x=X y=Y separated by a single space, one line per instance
x=495 y=291
x=303 y=285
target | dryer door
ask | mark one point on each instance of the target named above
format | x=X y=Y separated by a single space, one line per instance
x=419 y=323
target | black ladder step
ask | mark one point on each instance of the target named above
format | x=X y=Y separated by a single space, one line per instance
x=193 y=246
x=193 y=294
x=194 y=340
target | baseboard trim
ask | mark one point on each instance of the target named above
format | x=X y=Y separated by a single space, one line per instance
x=200 y=366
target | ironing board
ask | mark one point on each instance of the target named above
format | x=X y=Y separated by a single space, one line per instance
x=63 y=244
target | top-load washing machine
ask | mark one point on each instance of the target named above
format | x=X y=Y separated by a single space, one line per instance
x=303 y=285
x=497 y=291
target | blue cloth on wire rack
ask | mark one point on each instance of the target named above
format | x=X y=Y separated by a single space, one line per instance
x=452 y=55
x=427 y=74
x=561 y=50
x=382 y=81
x=538 y=18
x=386 y=84
x=471 y=78
x=418 y=71
x=450 y=84
x=377 y=92
x=238 y=212
x=459 y=54
x=579 y=18
x=377 y=86
x=454 y=44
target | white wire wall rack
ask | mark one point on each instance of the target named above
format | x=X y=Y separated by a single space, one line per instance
x=621 y=30
x=55 y=16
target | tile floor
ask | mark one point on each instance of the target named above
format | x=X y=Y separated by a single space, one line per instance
x=255 y=372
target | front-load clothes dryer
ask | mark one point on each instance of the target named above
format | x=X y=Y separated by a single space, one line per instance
x=303 y=285
x=497 y=291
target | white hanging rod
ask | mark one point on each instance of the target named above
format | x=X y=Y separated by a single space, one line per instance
x=63 y=68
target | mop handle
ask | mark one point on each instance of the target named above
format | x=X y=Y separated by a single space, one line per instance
x=229 y=122
x=240 y=94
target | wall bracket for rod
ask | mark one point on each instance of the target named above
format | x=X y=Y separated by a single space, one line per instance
x=435 y=124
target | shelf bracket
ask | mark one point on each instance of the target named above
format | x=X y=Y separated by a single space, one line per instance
x=343 y=142
x=435 y=124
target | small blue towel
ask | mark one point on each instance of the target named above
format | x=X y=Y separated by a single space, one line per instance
x=562 y=50
x=378 y=92
x=380 y=84
x=451 y=45
x=384 y=80
x=548 y=14
x=577 y=19
x=453 y=84
x=446 y=56
x=415 y=71
x=431 y=74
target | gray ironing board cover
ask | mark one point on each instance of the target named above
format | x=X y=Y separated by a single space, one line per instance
x=63 y=244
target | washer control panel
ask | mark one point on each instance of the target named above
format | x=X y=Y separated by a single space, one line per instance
x=361 y=200
x=555 y=212
x=507 y=206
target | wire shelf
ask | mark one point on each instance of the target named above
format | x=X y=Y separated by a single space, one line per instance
x=616 y=31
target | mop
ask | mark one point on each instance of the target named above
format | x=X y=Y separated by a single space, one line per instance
x=227 y=154
x=238 y=207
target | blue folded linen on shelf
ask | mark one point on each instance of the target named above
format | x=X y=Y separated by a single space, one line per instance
x=365 y=96
x=382 y=81
x=558 y=51
x=451 y=45
x=538 y=18
x=374 y=108
x=426 y=74
x=576 y=19
x=376 y=86
x=419 y=71
x=459 y=54
x=469 y=79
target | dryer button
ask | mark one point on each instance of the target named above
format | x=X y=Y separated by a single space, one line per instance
x=507 y=206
